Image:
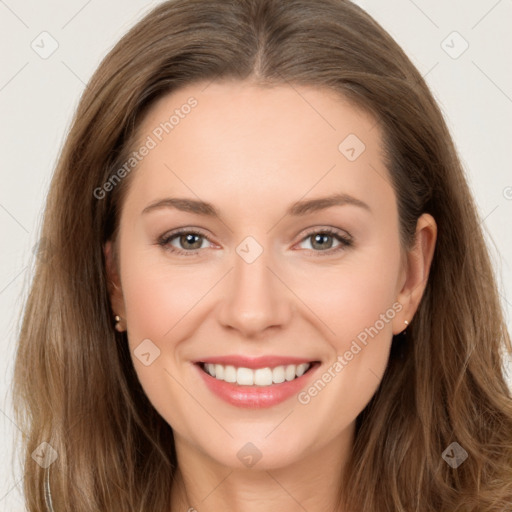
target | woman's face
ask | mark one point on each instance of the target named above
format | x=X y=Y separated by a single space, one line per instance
x=289 y=260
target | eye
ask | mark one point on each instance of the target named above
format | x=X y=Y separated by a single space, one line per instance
x=322 y=241
x=190 y=241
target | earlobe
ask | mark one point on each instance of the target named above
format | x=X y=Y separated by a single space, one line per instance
x=419 y=260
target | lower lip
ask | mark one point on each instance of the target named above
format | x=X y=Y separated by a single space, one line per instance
x=255 y=397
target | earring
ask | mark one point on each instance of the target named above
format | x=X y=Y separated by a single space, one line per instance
x=406 y=322
x=118 y=327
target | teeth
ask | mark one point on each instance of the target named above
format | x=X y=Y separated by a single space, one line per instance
x=289 y=372
x=301 y=369
x=230 y=374
x=259 y=377
x=244 y=377
x=210 y=368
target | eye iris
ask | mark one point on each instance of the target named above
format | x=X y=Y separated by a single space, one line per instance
x=185 y=239
x=321 y=237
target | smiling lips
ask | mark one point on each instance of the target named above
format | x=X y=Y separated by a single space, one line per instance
x=255 y=382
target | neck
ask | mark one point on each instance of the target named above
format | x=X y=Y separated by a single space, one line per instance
x=310 y=483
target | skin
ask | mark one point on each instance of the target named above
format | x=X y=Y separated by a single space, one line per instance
x=252 y=152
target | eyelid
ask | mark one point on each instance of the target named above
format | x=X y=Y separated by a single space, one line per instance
x=329 y=230
x=164 y=240
x=345 y=239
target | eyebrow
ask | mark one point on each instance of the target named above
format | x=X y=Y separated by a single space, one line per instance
x=297 y=209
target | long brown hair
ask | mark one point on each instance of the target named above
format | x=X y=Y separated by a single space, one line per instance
x=75 y=387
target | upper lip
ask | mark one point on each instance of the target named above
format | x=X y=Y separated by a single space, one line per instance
x=254 y=362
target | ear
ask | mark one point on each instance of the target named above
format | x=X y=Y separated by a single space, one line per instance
x=415 y=274
x=113 y=281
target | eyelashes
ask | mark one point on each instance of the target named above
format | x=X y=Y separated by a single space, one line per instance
x=192 y=237
x=182 y=234
x=344 y=240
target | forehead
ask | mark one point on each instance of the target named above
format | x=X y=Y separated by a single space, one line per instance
x=258 y=145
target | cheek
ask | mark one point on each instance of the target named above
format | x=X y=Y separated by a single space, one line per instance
x=352 y=295
x=159 y=295
x=356 y=303
x=159 y=301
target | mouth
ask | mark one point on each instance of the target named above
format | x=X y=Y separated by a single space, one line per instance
x=267 y=376
x=258 y=382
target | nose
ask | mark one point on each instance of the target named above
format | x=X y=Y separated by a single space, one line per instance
x=256 y=297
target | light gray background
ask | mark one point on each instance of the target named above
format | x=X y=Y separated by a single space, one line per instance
x=38 y=97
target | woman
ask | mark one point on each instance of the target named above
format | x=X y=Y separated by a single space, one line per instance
x=332 y=338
